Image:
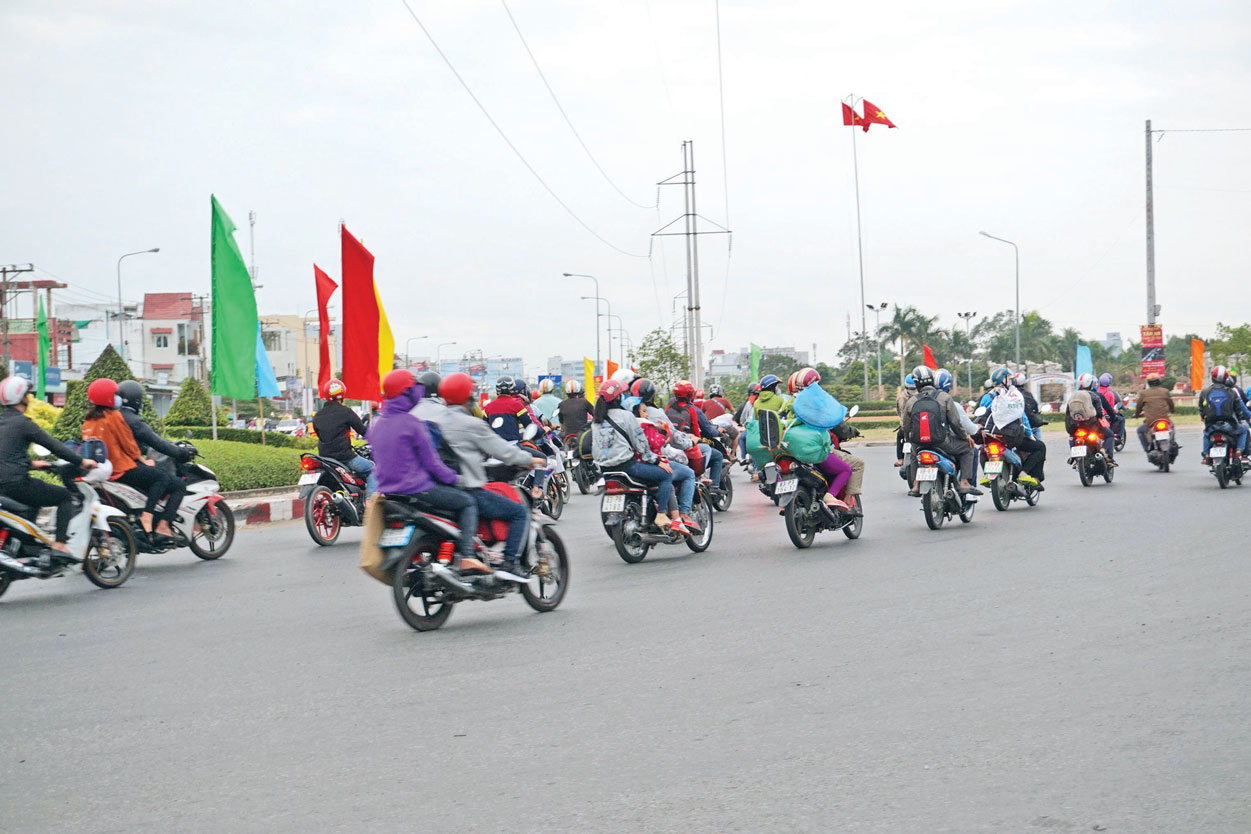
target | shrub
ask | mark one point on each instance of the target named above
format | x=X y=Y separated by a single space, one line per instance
x=44 y=414
x=192 y=406
x=247 y=466
x=69 y=425
x=272 y=438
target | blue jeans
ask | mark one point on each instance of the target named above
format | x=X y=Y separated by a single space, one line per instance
x=649 y=473
x=684 y=485
x=362 y=466
x=541 y=474
x=1239 y=433
x=716 y=463
x=492 y=506
x=451 y=499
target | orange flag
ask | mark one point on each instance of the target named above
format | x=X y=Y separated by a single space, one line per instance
x=1196 y=364
x=612 y=368
x=873 y=115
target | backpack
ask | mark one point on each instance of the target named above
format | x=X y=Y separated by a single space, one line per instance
x=929 y=421
x=584 y=444
x=806 y=443
x=450 y=459
x=1221 y=405
x=770 y=429
x=1081 y=407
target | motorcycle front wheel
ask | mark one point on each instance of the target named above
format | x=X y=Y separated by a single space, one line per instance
x=424 y=606
x=110 y=558
x=214 y=531
x=550 y=571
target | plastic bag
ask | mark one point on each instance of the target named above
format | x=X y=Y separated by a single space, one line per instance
x=806 y=443
x=817 y=407
x=1007 y=408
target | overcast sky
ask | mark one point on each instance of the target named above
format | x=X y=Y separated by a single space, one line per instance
x=1021 y=118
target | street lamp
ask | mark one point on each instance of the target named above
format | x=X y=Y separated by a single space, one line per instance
x=408 y=359
x=968 y=332
x=1017 y=253
x=877 y=339
x=622 y=337
x=121 y=331
x=596 y=280
x=598 y=315
x=438 y=367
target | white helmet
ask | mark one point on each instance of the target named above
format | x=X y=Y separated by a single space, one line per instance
x=624 y=375
x=1086 y=382
x=547 y=386
x=13 y=389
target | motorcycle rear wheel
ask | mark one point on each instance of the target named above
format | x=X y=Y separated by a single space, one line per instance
x=799 y=525
x=625 y=535
x=121 y=543
x=1222 y=477
x=999 y=490
x=966 y=512
x=5 y=581
x=1083 y=473
x=933 y=504
x=852 y=531
x=321 y=517
x=726 y=497
x=222 y=522
x=408 y=586
x=552 y=587
x=581 y=477
x=553 y=502
x=1108 y=472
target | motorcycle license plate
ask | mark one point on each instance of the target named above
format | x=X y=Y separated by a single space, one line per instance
x=786 y=485
x=927 y=473
x=612 y=504
x=1161 y=435
x=992 y=467
x=310 y=478
x=1220 y=451
x=396 y=536
x=1077 y=452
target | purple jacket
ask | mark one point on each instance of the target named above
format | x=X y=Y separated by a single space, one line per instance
x=405 y=460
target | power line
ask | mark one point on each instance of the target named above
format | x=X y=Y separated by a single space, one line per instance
x=1205 y=130
x=509 y=142
x=565 y=115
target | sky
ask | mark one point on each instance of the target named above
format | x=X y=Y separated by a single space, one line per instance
x=1023 y=119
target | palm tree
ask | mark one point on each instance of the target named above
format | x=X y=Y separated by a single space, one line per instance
x=910 y=327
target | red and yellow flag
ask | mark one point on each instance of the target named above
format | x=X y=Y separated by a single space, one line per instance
x=873 y=115
x=368 y=345
x=325 y=289
x=851 y=118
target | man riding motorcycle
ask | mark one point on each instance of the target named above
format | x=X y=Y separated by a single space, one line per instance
x=131 y=394
x=574 y=413
x=332 y=424
x=1154 y=403
x=906 y=393
x=1223 y=409
x=686 y=417
x=958 y=444
x=547 y=403
x=508 y=414
x=1086 y=389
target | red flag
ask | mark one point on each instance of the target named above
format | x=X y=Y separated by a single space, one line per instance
x=851 y=118
x=874 y=116
x=360 y=321
x=325 y=289
x=928 y=357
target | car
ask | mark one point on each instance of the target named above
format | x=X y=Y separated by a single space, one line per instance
x=289 y=426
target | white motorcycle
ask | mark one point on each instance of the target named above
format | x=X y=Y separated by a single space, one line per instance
x=204 y=521
x=100 y=539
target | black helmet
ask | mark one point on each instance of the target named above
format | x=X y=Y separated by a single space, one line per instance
x=430 y=381
x=131 y=393
x=506 y=385
x=715 y=390
x=644 y=389
x=923 y=375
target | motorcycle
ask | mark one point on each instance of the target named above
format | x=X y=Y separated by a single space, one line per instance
x=1001 y=468
x=1119 y=443
x=720 y=494
x=626 y=511
x=554 y=496
x=937 y=480
x=422 y=541
x=799 y=490
x=1227 y=462
x=204 y=523
x=333 y=496
x=905 y=470
x=1087 y=456
x=1164 y=448
x=100 y=538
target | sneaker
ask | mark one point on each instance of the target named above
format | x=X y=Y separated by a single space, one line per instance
x=1028 y=480
x=1040 y=488
x=510 y=570
x=678 y=527
x=984 y=482
x=689 y=523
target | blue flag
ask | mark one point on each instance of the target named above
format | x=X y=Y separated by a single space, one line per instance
x=266 y=382
x=1083 y=364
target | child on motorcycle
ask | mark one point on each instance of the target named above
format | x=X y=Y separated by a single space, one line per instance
x=658 y=440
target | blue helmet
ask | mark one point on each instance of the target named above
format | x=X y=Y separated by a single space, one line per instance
x=942 y=379
x=1105 y=379
x=769 y=381
x=1000 y=376
x=909 y=382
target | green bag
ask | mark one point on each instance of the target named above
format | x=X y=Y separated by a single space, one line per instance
x=806 y=444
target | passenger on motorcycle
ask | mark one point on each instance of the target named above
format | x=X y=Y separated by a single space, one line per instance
x=769 y=399
x=658 y=433
x=508 y=414
x=844 y=470
x=1223 y=409
x=907 y=392
x=686 y=417
x=988 y=393
x=958 y=444
x=333 y=423
x=474 y=442
x=1085 y=409
x=618 y=443
x=17 y=433
x=717 y=394
x=1154 y=403
x=131 y=394
x=716 y=405
x=1033 y=417
x=574 y=414
x=104 y=423
x=1113 y=400
x=547 y=403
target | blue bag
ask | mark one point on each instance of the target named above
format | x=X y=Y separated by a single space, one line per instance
x=818 y=408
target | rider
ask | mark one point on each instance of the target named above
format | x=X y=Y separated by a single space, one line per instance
x=1086 y=385
x=408 y=463
x=717 y=394
x=131 y=393
x=837 y=466
x=574 y=414
x=474 y=442
x=508 y=414
x=686 y=417
x=104 y=423
x=658 y=435
x=332 y=424
x=1033 y=417
x=906 y=393
x=1154 y=403
x=547 y=403
x=1223 y=409
x=17 y=433
x=1113 y=400
x=716 y=405
x=958 y=444
x=619 y=444
x=769 y=399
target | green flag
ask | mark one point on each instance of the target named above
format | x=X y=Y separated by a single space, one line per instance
x=234 y=314
x=755 y=363
x=41 y=324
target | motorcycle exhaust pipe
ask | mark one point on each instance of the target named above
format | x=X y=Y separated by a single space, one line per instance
x=18 y=567
x=347 y=510
x=447 y=577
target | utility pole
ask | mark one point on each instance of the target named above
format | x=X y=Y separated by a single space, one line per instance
x=5 y=272
x=252 y=242
x=1151 y=307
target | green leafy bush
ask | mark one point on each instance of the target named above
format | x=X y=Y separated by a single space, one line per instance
x=248 y=466
x=192 y=406
x=272 y=438
x=69 y=425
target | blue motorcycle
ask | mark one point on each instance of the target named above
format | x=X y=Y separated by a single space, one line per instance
x=1001 y=469
x=937 y=479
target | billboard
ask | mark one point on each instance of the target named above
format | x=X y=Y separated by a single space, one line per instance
x=1152 y=349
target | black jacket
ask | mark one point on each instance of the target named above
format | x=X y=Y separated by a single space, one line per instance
x=1031 y=410
x=17 y=432
x=332 y=424
x=149 y=439
x=574 y=415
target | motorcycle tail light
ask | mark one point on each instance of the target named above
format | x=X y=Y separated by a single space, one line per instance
x=1080 y=433
x=309 y=464
x=785 y=465
x=1161 y=425
x=994 y=449
x=614 y=487
x=928 y=458
x=4 y=537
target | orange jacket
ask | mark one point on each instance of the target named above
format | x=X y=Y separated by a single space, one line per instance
x=121 y=445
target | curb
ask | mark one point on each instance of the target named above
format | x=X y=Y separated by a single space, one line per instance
x=264 y=509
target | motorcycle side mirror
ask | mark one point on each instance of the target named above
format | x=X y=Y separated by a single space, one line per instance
x=981 y=410
x=853 y=411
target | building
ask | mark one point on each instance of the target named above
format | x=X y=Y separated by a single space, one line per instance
x=1113 y=344
x=571 y=369
x=171 y=344
x=737 y=364
x=293 y=345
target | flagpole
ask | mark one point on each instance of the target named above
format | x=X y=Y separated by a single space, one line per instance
x=864 y=328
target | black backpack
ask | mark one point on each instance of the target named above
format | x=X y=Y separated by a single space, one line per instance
x=449 y=458
x=929 y=421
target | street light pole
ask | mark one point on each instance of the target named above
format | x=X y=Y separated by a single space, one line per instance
x=877 y=339
x=1017 y=253
x=121 y=320
x=437 y=352
x=968 y=332
x=599 y=315
x=596 y=280
x=408 y=360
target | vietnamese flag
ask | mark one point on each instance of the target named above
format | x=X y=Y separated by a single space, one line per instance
x=851 y=118
x=368 y=346
x=873 y=115
x=928 y=357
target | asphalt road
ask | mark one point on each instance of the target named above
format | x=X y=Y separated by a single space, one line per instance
x=1082 y=665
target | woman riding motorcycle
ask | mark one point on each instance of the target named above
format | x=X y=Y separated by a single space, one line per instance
x=839 y=465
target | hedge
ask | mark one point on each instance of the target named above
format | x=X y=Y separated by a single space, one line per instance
x=272 y=438
x=247 y=466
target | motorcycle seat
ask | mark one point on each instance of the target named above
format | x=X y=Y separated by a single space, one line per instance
x=14 y=506
x=619 y=475
x=409 y=505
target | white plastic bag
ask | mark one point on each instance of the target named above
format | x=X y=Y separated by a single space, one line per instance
x=1007 y=408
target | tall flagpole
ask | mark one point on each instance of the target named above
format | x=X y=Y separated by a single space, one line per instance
x=864 y=327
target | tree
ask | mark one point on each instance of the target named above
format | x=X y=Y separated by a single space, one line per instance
x=192 y=406
x=779 y=365
x=659 y=359
x=913 y=329
x=111 y=366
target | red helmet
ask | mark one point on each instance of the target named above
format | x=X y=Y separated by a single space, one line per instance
x=455 y=389
x=699 y=393
x=805 y=377
x=1220 y=373
x=612 y=390
x=397 y=382
x=683 y=390
x=102 y=392
x=333 y=389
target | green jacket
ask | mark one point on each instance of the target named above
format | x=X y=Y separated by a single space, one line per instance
x=773 y=401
